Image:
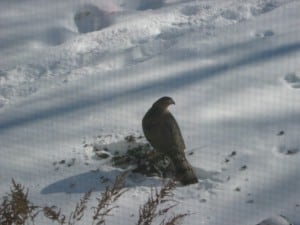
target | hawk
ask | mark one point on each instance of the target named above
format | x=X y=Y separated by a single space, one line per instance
x=163 y=133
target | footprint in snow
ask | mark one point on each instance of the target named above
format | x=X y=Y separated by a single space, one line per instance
x=150 y=4
x=231 y=15
x=286 y=150
x=276 y=220
x=292 y=80
x=90 y=18
x=191 y=10
x=264 y=34
x=63 y=162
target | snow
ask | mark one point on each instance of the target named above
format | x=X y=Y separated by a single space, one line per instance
x=74 y=75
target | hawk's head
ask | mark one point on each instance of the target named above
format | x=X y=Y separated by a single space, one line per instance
x=163 y=103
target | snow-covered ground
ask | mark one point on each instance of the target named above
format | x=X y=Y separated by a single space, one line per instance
x=78 y=73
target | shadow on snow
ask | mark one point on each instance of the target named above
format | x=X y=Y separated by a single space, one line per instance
x=175 y=82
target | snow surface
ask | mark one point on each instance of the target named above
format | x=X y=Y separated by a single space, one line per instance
x=74 y=74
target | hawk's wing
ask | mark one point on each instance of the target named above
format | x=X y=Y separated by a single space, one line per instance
x=172 y=133
x=163 y=133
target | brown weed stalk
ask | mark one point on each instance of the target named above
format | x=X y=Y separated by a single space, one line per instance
x=108 y=198
x=15 y=208
x=159 y=198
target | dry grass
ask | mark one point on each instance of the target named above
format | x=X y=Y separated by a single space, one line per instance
x=16 y=209
x=108 y=198
x=158 y=205
x=54 y=214
x=174 y=219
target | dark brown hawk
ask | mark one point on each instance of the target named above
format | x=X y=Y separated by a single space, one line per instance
x=163 y=133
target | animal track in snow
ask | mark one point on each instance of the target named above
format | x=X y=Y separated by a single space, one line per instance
x=263 y=6
x=142 y=4
x=231 y=15
x=292 y=80
x=56 y=36
x=287 y=151
x=191 y=10
x=150 y=4
x=264 y=34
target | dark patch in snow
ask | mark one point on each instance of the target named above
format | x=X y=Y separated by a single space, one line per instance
x=102 y=155
x=2 y=103
x=292 y=80
x=237 y=189
x=90 y=18
x=264 y=34
x=280 y=133
x=287 y=150
x=232 y=154
x=56 y=36
x=264 y=7
x=150 y=4
x=190 y=10
x=244 y=167
x=231 y=15
x=276 y=220
x=250 y=201
x=63 y=162
x=71 y=162
x=203 y=200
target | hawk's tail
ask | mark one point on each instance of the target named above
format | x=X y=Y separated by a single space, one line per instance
x=184 y=171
